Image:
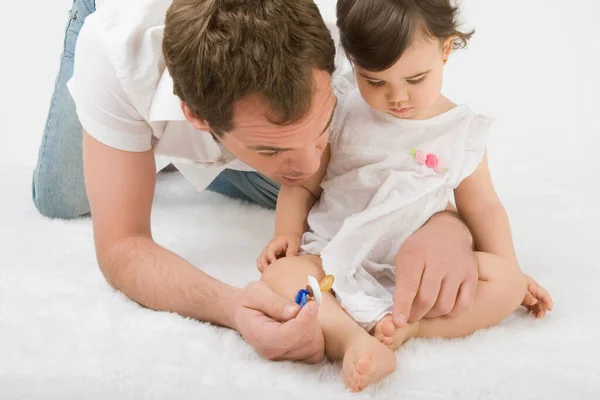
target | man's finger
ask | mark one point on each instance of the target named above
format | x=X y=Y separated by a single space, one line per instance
x=427 y=296
x=295 y=337
x=408 y=280
x=466 y=297
x=304 y=324
x=301 y=333
x=262 y=298
x=446 y=299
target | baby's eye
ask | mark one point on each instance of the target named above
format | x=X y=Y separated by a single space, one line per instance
x=376 y=83
x=416 y=81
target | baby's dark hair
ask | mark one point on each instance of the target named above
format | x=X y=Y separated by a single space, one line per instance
x=375 y=33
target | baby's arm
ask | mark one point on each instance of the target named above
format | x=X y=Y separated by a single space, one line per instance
x=478 y=203
x=293 y=206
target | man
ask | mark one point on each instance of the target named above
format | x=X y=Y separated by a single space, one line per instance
x=252 y=84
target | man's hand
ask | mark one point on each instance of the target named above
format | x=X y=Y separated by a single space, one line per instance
x=283 y=245
x=436 y=271
x=277 y=328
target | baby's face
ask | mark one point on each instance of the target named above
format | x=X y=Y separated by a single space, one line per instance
x=411 y=88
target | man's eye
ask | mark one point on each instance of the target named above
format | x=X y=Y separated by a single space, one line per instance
x=269 y=154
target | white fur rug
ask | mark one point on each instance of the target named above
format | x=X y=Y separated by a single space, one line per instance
x=65 y=334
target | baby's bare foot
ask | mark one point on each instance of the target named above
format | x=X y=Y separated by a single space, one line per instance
x=387 y=333
x=366 y=361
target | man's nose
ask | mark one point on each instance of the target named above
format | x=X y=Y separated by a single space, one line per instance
x=307 y=161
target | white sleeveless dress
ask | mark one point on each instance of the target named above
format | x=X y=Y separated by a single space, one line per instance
x=387 y=176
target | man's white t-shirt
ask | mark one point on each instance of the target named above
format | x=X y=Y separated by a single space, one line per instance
x=124 y=93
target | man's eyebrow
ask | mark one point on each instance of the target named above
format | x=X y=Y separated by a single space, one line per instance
x=283 y=149
x=268 y=148
x=410 y=77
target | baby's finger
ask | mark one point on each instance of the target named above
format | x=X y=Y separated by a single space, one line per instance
x=263 y=263
x=542 y=294
x=547 y=300
x=529 y=300
x=541 y=313
x=272 y=251
x=292 y=250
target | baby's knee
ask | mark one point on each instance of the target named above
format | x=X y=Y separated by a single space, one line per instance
x=506 y=276
x=293 y=269
x=514 y=287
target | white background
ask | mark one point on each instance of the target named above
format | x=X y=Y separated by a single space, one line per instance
x=532 y=64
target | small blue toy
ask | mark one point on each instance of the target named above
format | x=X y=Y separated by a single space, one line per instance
x=314 y=290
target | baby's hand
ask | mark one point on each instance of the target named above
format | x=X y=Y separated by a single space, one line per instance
x=537 y=300
x=284 y=245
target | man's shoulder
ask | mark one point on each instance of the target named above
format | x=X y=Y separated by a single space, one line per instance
x=130 y=31
x=129 y=35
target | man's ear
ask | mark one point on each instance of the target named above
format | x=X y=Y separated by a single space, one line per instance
x=198 y=123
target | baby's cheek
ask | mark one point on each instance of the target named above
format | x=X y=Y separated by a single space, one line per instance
x=369 y=95
x=376 y=100
x=427 y=95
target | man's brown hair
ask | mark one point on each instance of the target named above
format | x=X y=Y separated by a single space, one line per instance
x=219 y=51
x=375 y=33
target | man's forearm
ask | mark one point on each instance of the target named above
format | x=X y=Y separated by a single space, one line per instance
x=161 y=280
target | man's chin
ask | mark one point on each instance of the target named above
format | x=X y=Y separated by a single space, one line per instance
x=290 y=182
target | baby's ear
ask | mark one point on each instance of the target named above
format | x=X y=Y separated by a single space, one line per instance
x=448 y=46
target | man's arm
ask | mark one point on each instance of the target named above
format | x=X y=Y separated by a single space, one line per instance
x=120 y=188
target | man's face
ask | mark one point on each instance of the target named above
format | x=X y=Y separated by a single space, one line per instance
x=288 y=154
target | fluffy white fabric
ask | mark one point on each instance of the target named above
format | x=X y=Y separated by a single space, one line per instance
x=64 y=334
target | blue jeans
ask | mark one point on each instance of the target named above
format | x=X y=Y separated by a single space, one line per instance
x=58 y=187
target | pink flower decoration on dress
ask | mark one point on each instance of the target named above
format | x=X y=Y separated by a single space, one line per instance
x=430 y=160
x=421 y=157
x=439 y=168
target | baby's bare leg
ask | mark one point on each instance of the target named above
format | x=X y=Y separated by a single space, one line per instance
x=365 y=359
x=500 y=291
